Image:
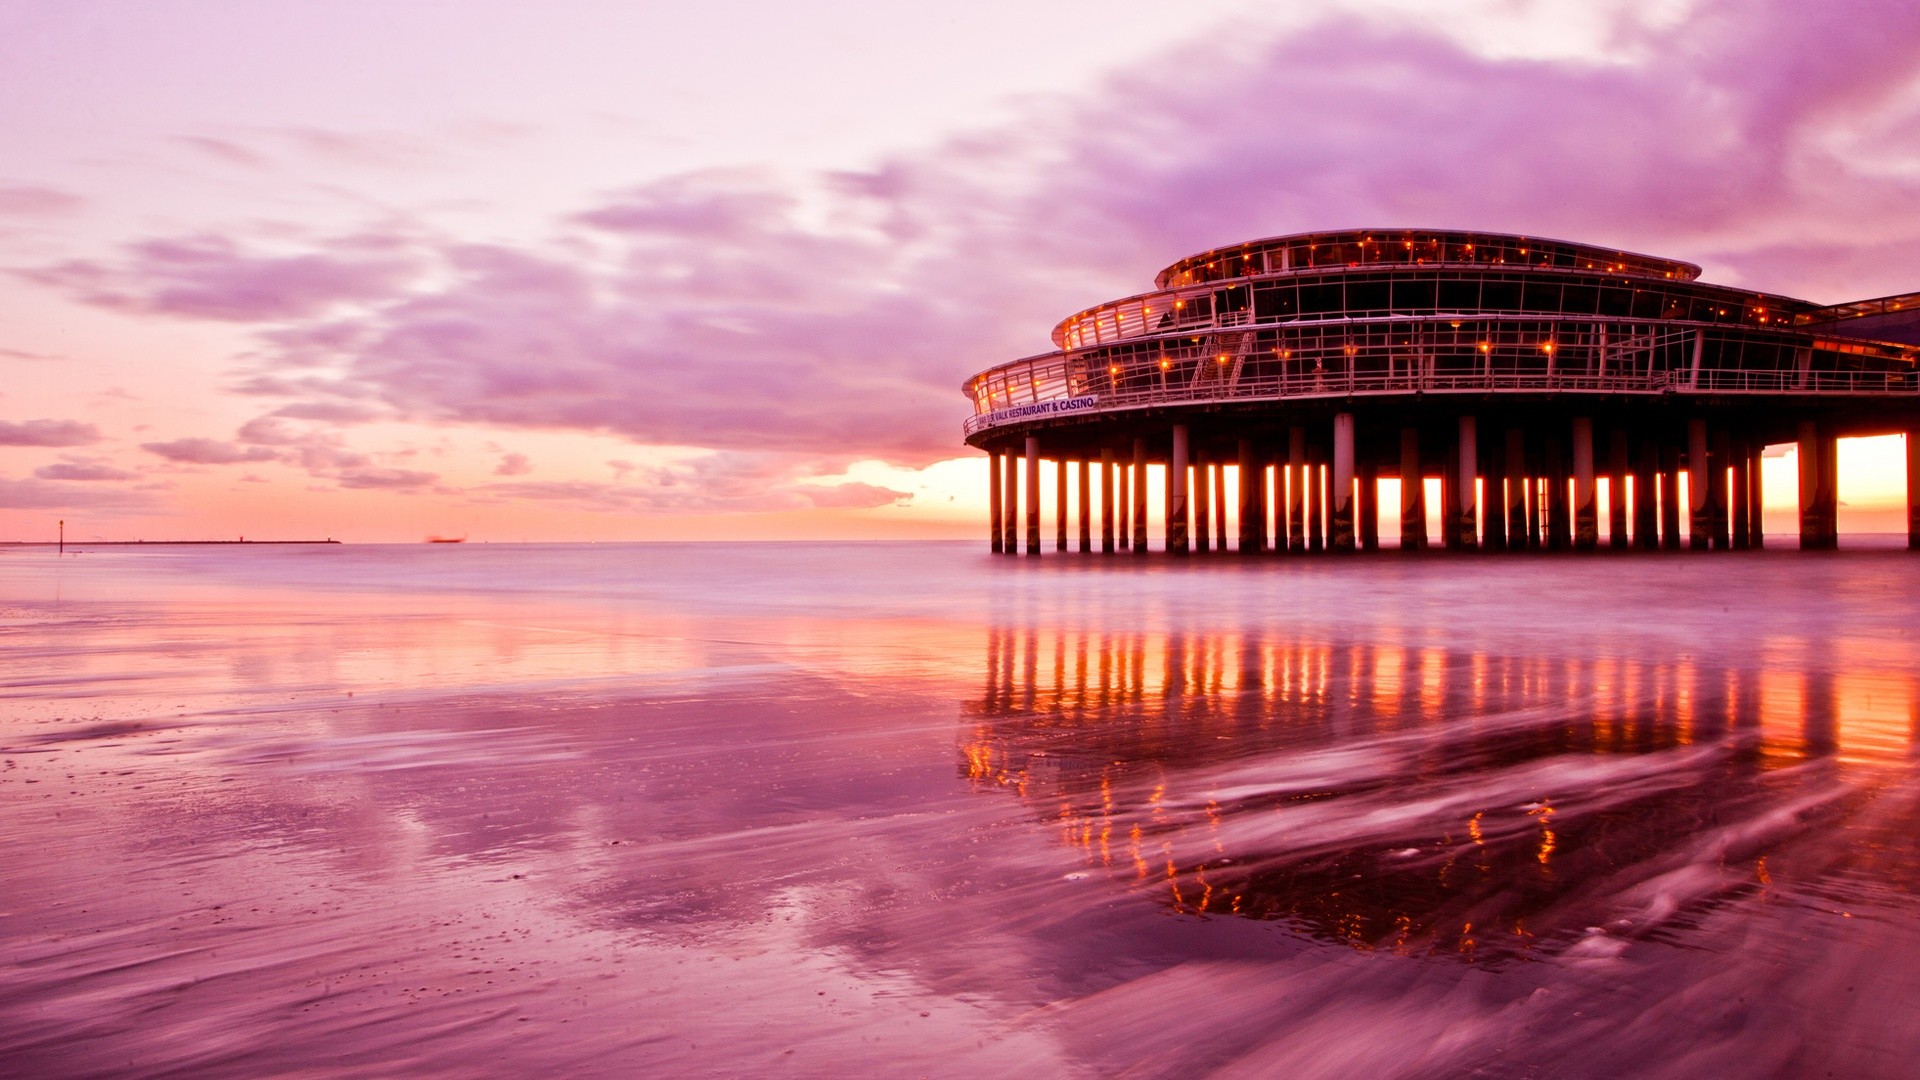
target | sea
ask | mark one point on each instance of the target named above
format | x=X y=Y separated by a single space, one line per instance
x=914 y=809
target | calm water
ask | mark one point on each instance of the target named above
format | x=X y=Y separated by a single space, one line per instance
x=912 y=810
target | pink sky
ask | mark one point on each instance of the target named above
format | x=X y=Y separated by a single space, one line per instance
x=609 y=271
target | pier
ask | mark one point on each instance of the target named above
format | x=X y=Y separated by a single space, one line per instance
x=1300 y=371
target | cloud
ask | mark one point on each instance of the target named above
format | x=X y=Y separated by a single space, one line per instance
x=723 y=483
x=225 y=151
x=400 y=479
x=32 y=201
x=831 y=317
x=210 y=277
x=83 y=470
x=513 y=465
x=203 y=451
x=42 y=495
x=47 y=433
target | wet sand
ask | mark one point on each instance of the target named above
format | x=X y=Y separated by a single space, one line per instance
x=910 y=810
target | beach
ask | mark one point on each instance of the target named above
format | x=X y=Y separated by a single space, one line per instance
x=908 y=809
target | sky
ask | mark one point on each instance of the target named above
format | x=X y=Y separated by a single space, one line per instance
x=613 y=271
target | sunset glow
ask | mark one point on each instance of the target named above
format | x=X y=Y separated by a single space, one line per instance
x=379 y=271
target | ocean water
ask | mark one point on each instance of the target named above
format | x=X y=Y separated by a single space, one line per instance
x=915 y=810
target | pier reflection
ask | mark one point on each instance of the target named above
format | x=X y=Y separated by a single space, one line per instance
x=1418 y=798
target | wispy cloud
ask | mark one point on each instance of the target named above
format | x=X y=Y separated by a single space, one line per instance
x=47 y=433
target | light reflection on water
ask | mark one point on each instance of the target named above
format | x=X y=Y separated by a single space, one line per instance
x=910 y=810
x=1421 y=799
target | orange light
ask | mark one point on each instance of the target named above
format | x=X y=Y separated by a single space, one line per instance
x=1165 y=364
x=1547 y=347
x=1484 y=347
x=1223 y=359
x=1113 y=369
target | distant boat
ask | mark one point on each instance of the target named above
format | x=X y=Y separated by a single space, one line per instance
x=446 y=539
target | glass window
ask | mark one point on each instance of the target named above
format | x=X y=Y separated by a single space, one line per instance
x=1413 y=294
x=1321 y=298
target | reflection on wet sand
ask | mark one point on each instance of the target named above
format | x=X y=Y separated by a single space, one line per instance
x=1415 y=798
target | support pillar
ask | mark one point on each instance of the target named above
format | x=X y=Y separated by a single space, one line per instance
x=1669 y=498
x=1202 y=505
x=1413 y=493
x=1060 y=505
x=1219 y=505
x=1646 y=498
x=1467 y=501
x=1559 y=517
x=1617 y=468
x=1741 y=506
x=1010 y=505
x=1756 y=497
x=1123 y=503
x=1586 y=509
x=1139 y=514
x=1033 y=495
x=1719 y=456
x=1343 y=482
x=1086 y=507
x=1818 y=483
x=1494 y=518
x=1450 y=496
x=1367 y=506
x=1316 y=500
x=1177 y=507
x=1913 y=488
x=1699 y=516
x=1249 y=501
x=1519 y=536
x=993 y=498
x=1106 y=501
x=1296 y=490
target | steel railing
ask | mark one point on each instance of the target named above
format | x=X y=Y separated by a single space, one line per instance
x=1348 y=384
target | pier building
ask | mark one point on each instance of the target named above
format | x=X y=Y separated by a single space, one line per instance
x=1520 y=372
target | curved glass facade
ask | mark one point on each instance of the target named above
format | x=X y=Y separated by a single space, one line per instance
x=1389 y=312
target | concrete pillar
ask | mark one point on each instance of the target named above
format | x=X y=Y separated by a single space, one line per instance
x=1343 y=482
x=1518 y=534
x=1366 y=505
x=1316 y=500
x=1740 y=506
x=1033 y=495
x=1756 y=499
x=993 y=498
x=1413 y=493
x=1494 y=519
x=1586 y=508
x=1010 y=505
x=1106 y=501
x=1670 y=498
x=1559 y=517
x=1913 y=488
x=1617 y=468
x=1450 y=495
x=1646 y=498
x=1296 y=489
x=1249 y=501
x=1819 y=483
x=1086 y=507
x=1467 y=501
x=1719 y=455
x=1060 y=505
x=1139 y=513
x=1219 y=505
x=1178 y=509
x=1699 y=517
x=1202 y=504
